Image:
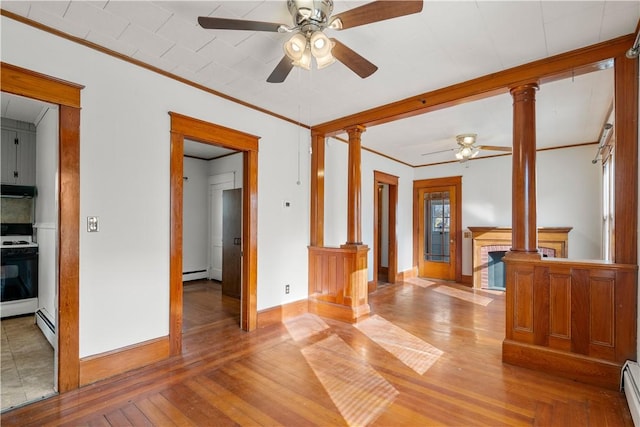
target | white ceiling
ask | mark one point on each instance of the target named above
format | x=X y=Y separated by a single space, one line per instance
x=447 y=43
x=23 y=109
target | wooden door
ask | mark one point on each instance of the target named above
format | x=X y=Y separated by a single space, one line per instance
x=215 y=217
x=232 y=242
x=437 y=227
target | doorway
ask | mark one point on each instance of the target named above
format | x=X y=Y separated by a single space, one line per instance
x=29 y=297
x=207 y=133
x=66 y=96
x=437 y=235
x=385 y=207
x=208 y=170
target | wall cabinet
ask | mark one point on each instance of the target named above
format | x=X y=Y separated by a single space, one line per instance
x=18 y=154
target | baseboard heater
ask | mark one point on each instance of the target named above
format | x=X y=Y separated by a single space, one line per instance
x=194 y=272
x=195 y=275
x=630 y=383
x=46 y=326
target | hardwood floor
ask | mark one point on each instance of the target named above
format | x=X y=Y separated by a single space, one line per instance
x=205 y=305
x=313 y=371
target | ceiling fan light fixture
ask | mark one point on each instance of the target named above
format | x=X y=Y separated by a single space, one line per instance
x=321 y=48
x=335 y=24
x=295 y=47
x=466 y=148
x=466 y=138
x=305 y=60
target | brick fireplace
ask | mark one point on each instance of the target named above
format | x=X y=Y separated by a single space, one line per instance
x=552 y=242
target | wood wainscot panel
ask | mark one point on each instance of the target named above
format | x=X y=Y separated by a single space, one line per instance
x=560 y=309
x=338 y=286
x=575 y=319
x=108 y=364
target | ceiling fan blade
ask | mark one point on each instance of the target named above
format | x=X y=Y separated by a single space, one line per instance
x=377 y=11
x=436 y=152
x=353 y=60
x=282 y=70
x=494 y=148
x=212 y=23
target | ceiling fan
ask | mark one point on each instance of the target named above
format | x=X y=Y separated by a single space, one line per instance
x=467 y=149
x=310 y=19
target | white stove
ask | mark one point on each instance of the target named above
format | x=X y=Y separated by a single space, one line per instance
x=9 y=242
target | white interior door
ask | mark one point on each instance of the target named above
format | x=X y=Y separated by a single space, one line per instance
x=217 y=184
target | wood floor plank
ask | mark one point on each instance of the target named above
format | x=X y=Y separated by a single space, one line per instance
x=193 y=407
x=154 y=413
x=135 y=416
x=118 y=418
x=231 y=377
x=282 y=395
x=231 y=404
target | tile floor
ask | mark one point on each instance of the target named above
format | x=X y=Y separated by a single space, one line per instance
x=26 y=362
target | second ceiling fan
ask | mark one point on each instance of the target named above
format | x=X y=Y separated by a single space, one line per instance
x=467 y=148
x=310 y=19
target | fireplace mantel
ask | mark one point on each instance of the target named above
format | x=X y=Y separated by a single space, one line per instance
x=552 y=242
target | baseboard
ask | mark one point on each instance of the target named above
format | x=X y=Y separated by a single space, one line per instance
x=466 y=280
x=372 y=286
x=574 y=366
x=278 y=314
x=339 y=312
x=407 y=274
x=108 y=364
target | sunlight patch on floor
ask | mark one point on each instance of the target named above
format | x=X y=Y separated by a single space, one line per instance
x=464 y=295
x=409 y=349
x=359 y=392
x=304 y=326
x=419 y=282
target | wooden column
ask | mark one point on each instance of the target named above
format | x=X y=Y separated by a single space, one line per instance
x=354 y=187
x=338 y=282
x=316 y=228
x=523 y=223
x=625 y=249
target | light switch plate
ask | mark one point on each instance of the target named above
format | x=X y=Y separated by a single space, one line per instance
x=92 y=224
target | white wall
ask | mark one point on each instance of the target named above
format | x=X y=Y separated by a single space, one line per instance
x=335 y=192
x=568 y=194
x=46 y=215
x=404 y=222
x=195 y=224
x=335 y=230
x=228 y=164
x=124 y=179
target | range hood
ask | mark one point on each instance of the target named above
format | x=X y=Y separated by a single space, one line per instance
x=22 y=191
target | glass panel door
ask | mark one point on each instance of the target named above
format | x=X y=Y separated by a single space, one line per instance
x=437 y=215
x=436 y=232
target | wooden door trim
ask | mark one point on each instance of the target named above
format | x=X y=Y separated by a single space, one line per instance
x=66 y=95
x=454 y=181
x=392 y=182
x=208 y=133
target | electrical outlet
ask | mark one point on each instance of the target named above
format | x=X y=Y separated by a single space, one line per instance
x=92 y=224
x=286 y=289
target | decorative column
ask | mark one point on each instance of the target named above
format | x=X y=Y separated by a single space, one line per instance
x=354 y=187
x=523 y=205
x=338 y=279
x=316 y=237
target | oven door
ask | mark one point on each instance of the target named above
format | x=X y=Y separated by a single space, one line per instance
x=19 y=274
